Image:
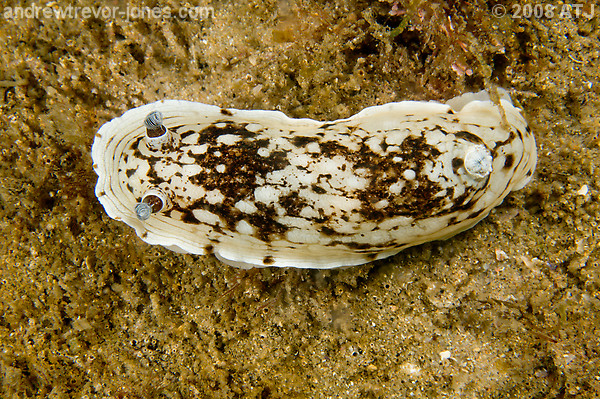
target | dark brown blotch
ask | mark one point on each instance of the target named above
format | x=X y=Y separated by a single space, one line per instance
x=317 y=189
x=356 y=245
x=509 y=161
x=327 y=231
x=468 y=136
x=371 y=256
x=262 y=143
x=188 y=217
x=187 y=133
x=475 y=214
x=511 y=137
x=300 y=141
x=456 y=164
x=268 y=260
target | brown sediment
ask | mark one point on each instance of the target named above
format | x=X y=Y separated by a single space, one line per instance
x=88 y=309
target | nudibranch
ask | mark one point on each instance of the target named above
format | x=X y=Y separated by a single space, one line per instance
x=258 y=188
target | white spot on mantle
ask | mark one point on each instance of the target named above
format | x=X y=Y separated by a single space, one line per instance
x=302 y=236
x=266 y=194
x=244 y=227
x=206 y=217
x=313 y=147
x=228 y=139
x=396 y=188
x=214 y=197
x=409 y=174
x=246 y=206
x=263 y=152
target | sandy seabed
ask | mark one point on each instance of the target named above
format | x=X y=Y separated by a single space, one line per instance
x=508 y=309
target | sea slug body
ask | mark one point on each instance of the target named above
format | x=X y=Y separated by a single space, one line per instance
x=258 y=188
